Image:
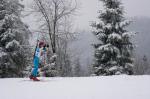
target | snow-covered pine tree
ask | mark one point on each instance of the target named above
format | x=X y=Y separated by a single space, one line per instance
x=113 y=54
x=49 y=70
x=77 y=68
x=13 y=34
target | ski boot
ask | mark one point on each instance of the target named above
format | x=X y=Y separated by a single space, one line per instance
x=31 y=77
x=35 y=79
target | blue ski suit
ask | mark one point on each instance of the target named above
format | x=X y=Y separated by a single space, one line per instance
x=36 y=62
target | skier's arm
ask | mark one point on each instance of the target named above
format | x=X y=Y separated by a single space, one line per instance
x=35 y=48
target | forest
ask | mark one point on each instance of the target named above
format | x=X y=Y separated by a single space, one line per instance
x=111 y=47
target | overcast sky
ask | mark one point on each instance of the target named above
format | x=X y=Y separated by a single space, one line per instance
x=89 y=8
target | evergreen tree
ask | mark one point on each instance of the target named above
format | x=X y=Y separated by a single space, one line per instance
x=77 y=68
x=51 y=71
x=145 y=65
x=65 y=68
x=13 y=34
x=113 y=55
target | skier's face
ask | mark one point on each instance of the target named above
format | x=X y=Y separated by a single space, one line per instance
x=41 y=45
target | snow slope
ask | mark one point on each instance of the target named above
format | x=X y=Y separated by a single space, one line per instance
x=114 y=87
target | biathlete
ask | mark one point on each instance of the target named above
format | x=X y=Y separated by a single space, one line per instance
x=36 y=61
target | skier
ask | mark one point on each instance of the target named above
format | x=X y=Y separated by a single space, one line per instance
x=36 y=61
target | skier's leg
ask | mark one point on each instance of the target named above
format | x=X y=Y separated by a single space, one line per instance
x=36 y=65
x=35 y=70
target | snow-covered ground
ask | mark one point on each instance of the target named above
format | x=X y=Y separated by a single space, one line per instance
x=114 y=87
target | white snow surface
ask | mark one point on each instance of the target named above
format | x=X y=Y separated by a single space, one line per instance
x=113 y=87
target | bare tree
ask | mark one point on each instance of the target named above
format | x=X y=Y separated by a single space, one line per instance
x=54 y=18
x=53 y=13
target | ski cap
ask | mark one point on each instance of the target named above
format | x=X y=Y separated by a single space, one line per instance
x=41 y=43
